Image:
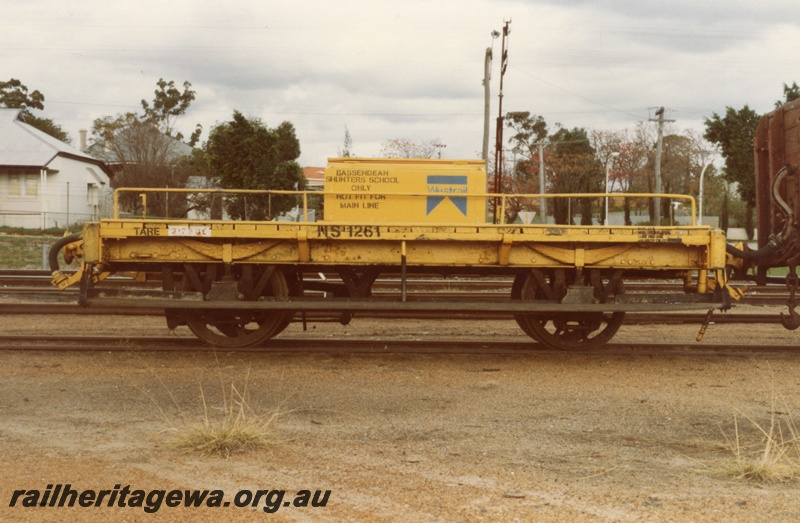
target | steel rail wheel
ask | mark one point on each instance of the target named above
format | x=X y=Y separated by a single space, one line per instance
x=567 y=330
x=516 y=294
x=242 y=328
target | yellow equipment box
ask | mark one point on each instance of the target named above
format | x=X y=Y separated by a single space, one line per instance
x=391 y=190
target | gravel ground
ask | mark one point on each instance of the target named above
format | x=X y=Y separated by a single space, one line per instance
x=520 y=437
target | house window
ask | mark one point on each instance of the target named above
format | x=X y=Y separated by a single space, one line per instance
x=23 y=185
x=31 y=185
x=91 y=194
x=15 y=185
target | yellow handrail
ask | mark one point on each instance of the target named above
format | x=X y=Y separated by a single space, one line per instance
x=503 y=197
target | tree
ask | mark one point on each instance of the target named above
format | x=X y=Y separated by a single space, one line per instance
x=734 y=134
x=169 y=104
x=569 y=158
x=715 y=194
x=522 y=180
x=14 y=95
x=209 y=204
x=724 y=211
x=347 y=150
x=142 y=156
x=628 y=170
x=790 y=94
x=246 y=154
x=529 y=131
x=575 y=168
x=404 y=148
x=677 y=168
x=145 y=151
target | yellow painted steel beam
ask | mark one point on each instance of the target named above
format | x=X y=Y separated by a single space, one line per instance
x=687 y=235
x=428 y=249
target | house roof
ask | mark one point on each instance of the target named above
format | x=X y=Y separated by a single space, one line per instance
x=315 y=176
x=176 y=149
x=22 y=145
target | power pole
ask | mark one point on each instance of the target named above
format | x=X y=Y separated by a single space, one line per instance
x=487 y=72
x=487 y=77
x=498 y=160
x=659 y=144
x=542 y=208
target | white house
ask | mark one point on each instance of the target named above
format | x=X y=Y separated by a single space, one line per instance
x=45 y=182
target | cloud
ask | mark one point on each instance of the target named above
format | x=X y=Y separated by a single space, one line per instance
x=402 y=69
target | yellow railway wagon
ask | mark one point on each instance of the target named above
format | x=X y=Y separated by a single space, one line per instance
x=391 y=190
x=238 y=283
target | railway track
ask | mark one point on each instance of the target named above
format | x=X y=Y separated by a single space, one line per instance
x=36 y=283
x=293 y=345
x=631 y=318
x=29 y=292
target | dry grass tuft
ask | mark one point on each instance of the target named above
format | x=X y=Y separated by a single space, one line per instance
x=775 y=458
x=226 y=428
x=236 y=429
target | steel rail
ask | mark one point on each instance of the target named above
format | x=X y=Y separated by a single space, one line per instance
x=38 y=283
x=57 y=343
x=10 y=278
x=71 y=294
x=640 y=318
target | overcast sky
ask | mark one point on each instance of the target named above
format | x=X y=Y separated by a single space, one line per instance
x=402 y=69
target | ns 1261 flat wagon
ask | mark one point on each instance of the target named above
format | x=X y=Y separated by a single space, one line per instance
x=238 y=283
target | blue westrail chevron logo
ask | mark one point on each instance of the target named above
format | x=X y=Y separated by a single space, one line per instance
x=446 y=186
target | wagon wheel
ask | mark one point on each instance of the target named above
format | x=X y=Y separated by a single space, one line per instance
x=516 y=294
x=294 y=285
x=244 y=327
x=568 y=330
x=246 y=286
